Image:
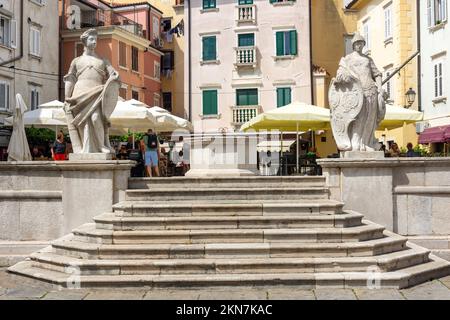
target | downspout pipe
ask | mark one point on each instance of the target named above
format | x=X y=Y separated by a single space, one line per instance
x=190 y=61
x=311 y=54
x=61 y=92
x=20 y=56
x=419 y=60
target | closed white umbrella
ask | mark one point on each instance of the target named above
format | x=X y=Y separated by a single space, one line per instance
x=18 y=149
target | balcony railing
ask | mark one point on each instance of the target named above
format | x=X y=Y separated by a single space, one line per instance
x=246 y=13
x=101 y=18
x=246 y=56
x=242 y=114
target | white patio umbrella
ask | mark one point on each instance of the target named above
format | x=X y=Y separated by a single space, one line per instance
x=18 y=149
x=132 y=117
x=167 y=122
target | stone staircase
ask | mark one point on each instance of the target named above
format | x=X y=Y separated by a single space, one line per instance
x=247 y=231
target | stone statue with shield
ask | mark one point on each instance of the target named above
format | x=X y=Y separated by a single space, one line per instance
x=357 y=101
x=92 y=90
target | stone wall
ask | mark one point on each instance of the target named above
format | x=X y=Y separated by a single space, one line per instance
x=42 y=201
x=410 y=196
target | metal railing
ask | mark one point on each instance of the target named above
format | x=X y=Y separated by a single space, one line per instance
x=246 y=13
x=102 y=18
x=246 y=56
x=242 y=114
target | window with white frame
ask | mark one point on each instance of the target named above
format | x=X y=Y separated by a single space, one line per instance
x=34 y=97
x=388 y=25
x=436 y=12
x=4 y=95
x=366 y=33
x=157 y=70
x=438 y=79
x=8 y=32
x=35 y=41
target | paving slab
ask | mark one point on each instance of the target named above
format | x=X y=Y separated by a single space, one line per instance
x=115 y=294
x=170 y=294
x=66 y=295
x=334 y=294
x=2 y=291
x=233 y=294
x=378 y=294
x=290 y=294
x=445 y=281
x=25 y=292
x=433 y=290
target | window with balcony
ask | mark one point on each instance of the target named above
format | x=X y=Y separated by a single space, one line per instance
x=122 y=54
x=134 y=59
x=210 y=106
x=246 y=11
x=246 y=51
x=209 y=48
x=247 y=97
x=436 y=12
x=281 y=1
x=209 y=4
x=4 y=95
x=286 y=43
x=168 y=63
x=283 y=97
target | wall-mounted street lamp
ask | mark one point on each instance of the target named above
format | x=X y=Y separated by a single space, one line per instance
x=410 y=98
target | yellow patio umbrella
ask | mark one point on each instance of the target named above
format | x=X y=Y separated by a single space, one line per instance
x=294 y=117
x=397 y=116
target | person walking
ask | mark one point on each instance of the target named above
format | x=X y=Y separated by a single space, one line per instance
x=151 y=146
x=59 y=148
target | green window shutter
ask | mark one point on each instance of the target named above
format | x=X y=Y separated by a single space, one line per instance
x=247 y=97
x=208 y=4
x=287 y=96
x=280 y=43
x=280 y=97
x=273 y=1
x=209 y=102
x=209 y=48
x=243 y=2
x=293 y=40
x=246 y=40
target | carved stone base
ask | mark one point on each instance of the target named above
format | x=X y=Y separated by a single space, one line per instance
x=90 y=156
x=362 y=154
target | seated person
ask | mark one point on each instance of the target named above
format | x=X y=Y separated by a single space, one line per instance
x=122 y=154
x=395 y=150
x=36 y=153
x=411 y=153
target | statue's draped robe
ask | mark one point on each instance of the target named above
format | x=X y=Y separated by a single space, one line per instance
x=86 y=102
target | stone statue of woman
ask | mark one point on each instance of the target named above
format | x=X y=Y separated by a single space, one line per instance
x=357 y=101
x=91 y=90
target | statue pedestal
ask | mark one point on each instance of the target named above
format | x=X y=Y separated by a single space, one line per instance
x=90 y=156
x=362 y=155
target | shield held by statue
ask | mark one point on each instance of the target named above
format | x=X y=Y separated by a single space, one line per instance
x=110 y=97
x=346 y=102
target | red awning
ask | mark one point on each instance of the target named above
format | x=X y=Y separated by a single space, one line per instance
x=435 y=135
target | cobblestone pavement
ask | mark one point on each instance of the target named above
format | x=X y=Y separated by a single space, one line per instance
x=19 y=288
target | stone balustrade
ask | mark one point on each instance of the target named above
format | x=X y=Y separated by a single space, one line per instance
x=246 y=56
x=246 y=13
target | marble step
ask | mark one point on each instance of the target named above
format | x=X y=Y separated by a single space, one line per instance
x=111 y=221
x=88 y=233
x=384 y=263
x=204 y=194
x=397 y=279
x=242 y=182
x=70 y=247
x=227 y=207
